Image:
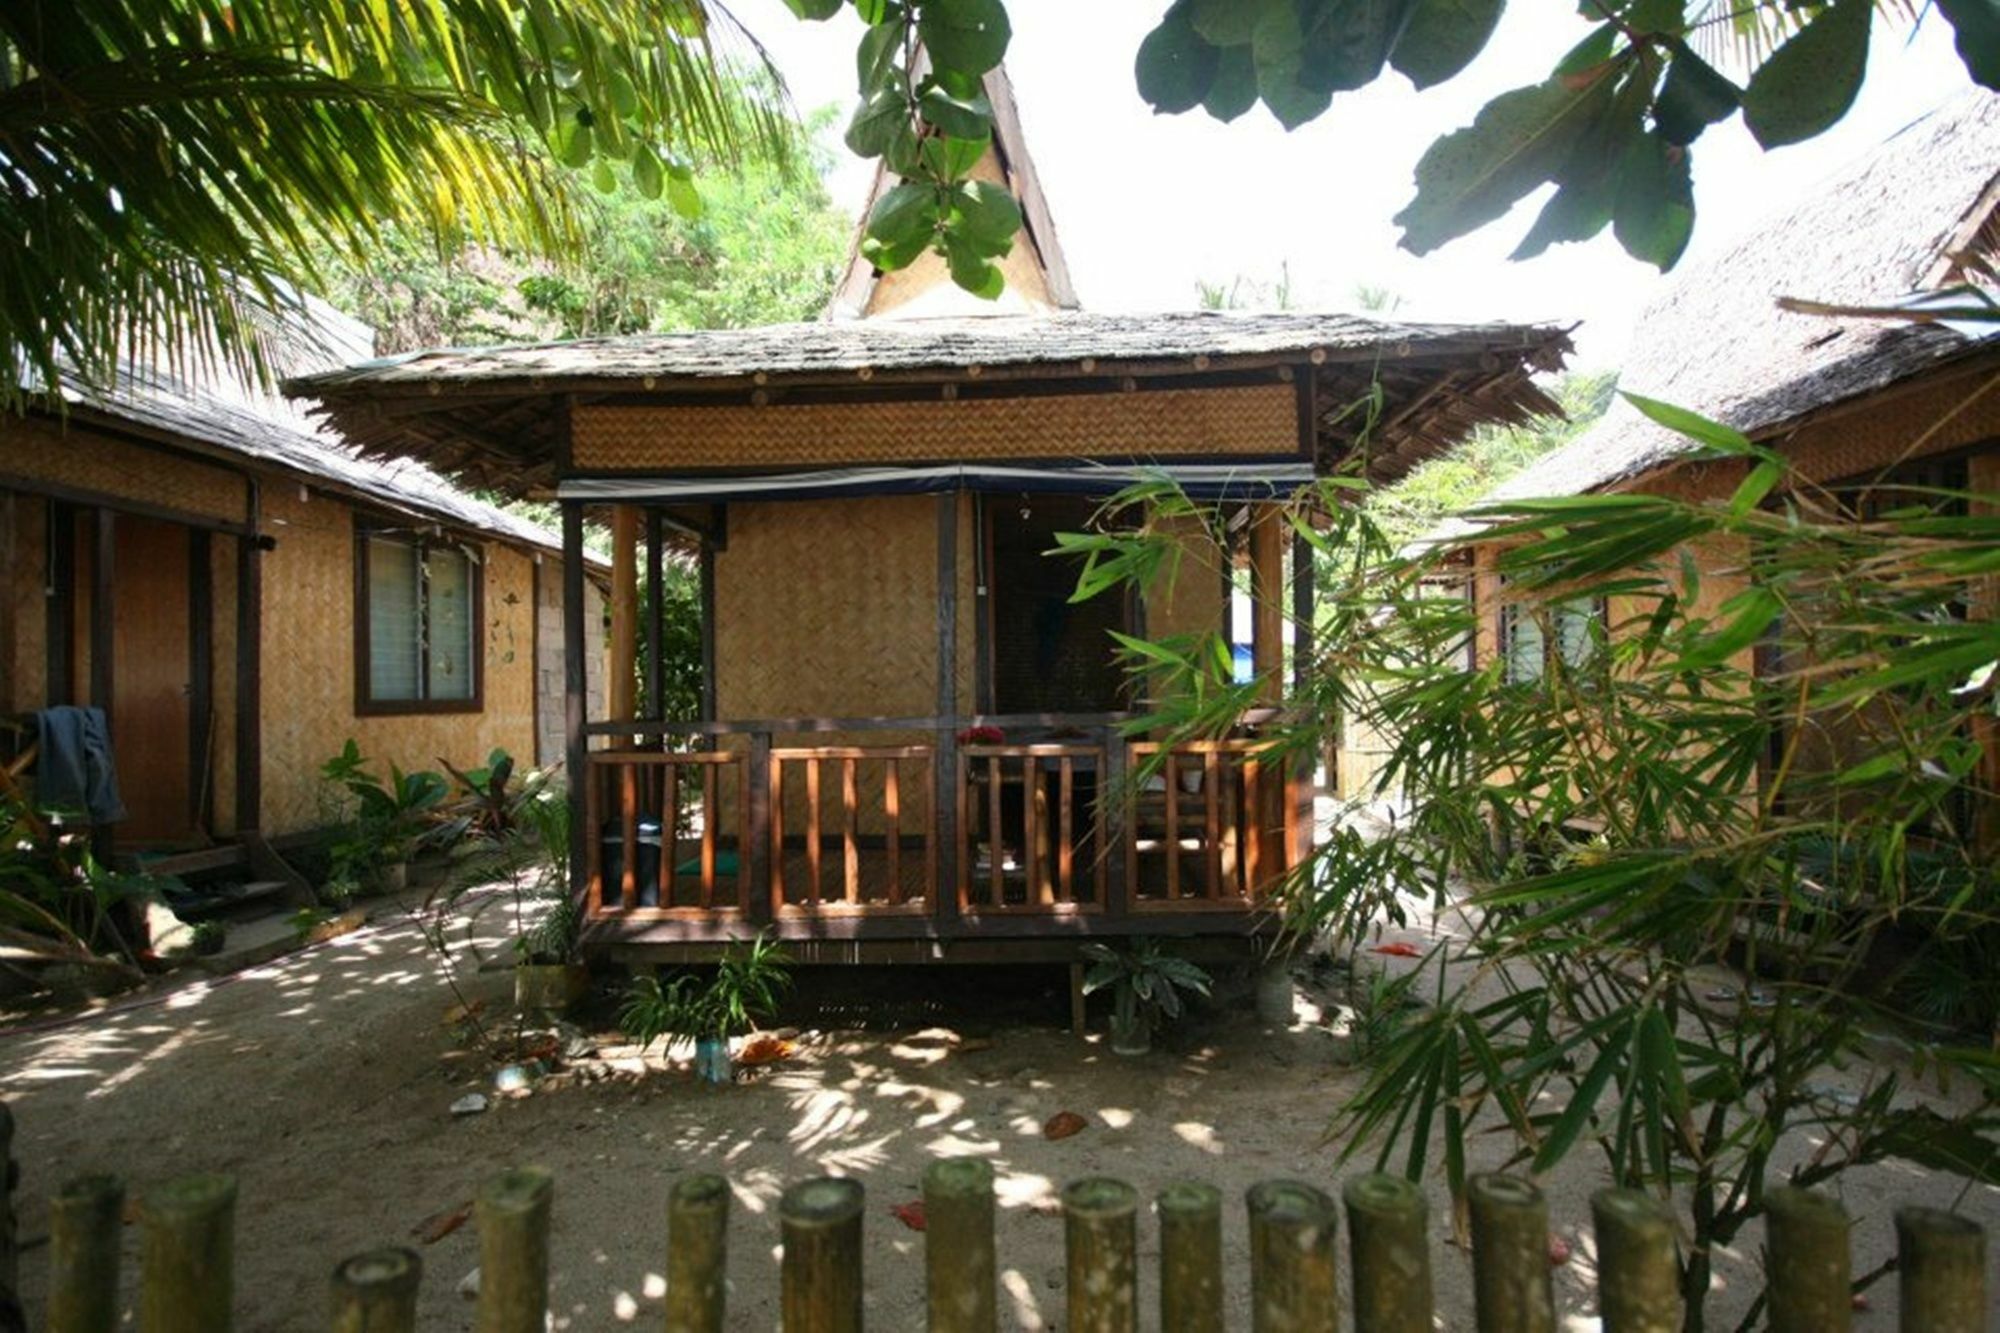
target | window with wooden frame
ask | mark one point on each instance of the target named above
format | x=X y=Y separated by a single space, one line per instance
x=417 y=614
x=1533 y=641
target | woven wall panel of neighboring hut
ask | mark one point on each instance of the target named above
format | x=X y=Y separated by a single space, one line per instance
x=308 y=664
x=1238 y=420
x=76 y=456
x=1964 y=410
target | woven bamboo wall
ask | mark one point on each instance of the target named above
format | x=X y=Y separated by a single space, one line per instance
x=29 y=624
x=1237 y=420
x=1949 y=414
x=309 y=664
x=73 y=455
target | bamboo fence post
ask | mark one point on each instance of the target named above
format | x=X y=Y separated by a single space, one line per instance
x=1808 y=1268
x=376 y=1291
x=1190 y=1257
x=697 y=1254
x=959 y=1265
x=1942 y=1262
x=1100 y=1236
x=86 y=1232
x=1510 y=1256
x=1388 y=1234
x=187 y=1271
x=820 y=1220
x=512 y=1214
x=1638 y=1264
x=1293 y=1227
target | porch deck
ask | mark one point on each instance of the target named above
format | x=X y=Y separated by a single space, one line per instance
x=894 y=830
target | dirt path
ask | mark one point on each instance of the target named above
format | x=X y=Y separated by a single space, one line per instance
x=323 y=1083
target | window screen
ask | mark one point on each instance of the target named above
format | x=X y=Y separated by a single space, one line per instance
x=420 y=610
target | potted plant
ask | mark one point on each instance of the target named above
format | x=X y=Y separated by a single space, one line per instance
x=1146 y=984
x=743 y=992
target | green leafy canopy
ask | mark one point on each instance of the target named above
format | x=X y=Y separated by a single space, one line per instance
x=1611 y=125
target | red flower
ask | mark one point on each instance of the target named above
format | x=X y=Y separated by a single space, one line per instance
x=1398 y=950
x=982 y=736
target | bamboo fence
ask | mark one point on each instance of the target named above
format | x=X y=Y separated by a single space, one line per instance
x=1294 y=1273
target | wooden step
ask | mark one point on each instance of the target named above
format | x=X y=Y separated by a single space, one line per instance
x=211 y=900
x=226 y=856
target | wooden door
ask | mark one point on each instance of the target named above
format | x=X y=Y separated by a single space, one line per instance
x=152 y=695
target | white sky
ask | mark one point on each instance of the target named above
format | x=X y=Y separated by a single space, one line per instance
x=1147 y=205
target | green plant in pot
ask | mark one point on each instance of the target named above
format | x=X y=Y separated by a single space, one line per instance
x=1146 y=983
x=744 y=991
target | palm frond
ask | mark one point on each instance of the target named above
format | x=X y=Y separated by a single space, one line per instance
x=170 y=168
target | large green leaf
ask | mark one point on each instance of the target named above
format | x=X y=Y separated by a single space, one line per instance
x=1441 y=37
x=1345 y=42
x=1233 y=90
x=1587 y=183
x=1812 y=80
x=1976 y=25
x=816 y=10
x=875 y=56
x=1654 y=213
x=1229 y=22
x=988 y=213
x=1176 y=64
x=877 y=122
x=907 y=213
x=1518 y=141
x=969 y=36
x=1693 y=97
x=959 y=117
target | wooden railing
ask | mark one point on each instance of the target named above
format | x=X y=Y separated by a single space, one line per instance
x=666 y=803
x=875 y=865
x=1210 y=824
x=1083 y=824
x=1294 y=1279
x=1030 y=828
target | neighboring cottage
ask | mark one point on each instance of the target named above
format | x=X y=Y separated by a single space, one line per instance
x=1851 y=400
x=241 y=593
x=908 y=722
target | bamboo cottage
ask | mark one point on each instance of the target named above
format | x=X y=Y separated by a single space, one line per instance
x=906 y=723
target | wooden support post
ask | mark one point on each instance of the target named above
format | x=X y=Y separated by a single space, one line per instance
x=1809 y=1262
x=656 y=613
x=584 y=837
x=1388 y=1233
x=376 y=1292
x=1100 y=1235
x=820 y=1282
x=188 y=1264
x=1079 y=1013
x=697 y=1254
x=1638 y=1264
x=512 y=1214
x=1941 y=1271
x=1292 y=1258
x=706 y=573
x=760 y=860
x=1191 y=1257
x=621 y=681
x=944 y=772
x=11 y=1314
x=1267 y=606
x=86 y=1225
x=249 y=682
x=1304 y=607
x=960 y=1271
x=1510 y=1256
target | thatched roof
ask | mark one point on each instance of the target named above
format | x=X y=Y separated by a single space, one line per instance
x=209 y=410
x=1719 y=344
x=493 y=414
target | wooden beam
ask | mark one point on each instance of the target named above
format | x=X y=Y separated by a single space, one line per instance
x=944 y=775
x=103 y=610
x=1267 y=590
x=620 y=667
x=706 y=567
x=656 y=586
x=576 y=677
x=249 y=664
x=201 y=673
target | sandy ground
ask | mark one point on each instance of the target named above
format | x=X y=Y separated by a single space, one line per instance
x=323 y=1083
